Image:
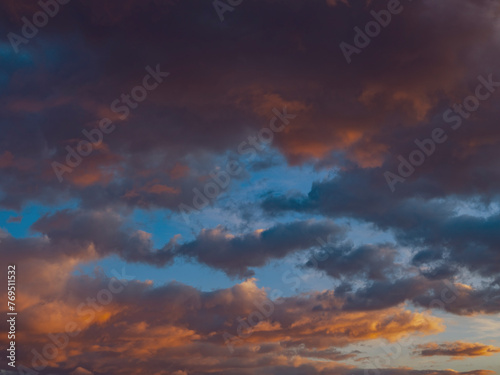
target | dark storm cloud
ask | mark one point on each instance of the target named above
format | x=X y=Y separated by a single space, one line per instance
x=86 y=234
x=235 y=254
x=383 y=294
x=435 y=226
x=225 y=80
x=452 y=297
x=375 y=262
x=224 y=83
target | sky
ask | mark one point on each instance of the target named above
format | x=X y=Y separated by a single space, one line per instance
x=250 y=187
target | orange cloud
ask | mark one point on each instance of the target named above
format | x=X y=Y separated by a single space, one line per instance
x=457 y=350
x=161 y=189
x=6 y=159
x=179 y=171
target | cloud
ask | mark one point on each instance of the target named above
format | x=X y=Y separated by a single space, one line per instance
x=84 y=235
x=226 y=79
x=453 y=297
x=235 y=254
x=93 y=234
x=376 y=262
x=457 y=350
x=443 y=239
x=361 y=115
x=14 y=219
x=296 y=332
